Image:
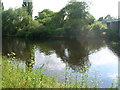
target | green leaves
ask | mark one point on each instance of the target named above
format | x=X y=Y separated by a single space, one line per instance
x=14 y=20
x=73 y=21
x=28 y=6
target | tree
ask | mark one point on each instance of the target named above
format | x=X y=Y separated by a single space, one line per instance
x=75 y=17
x=1 y=5
x=28 y=6
x=90 y=19
x=76 y=10
x=44 y=16
x=108 y=17
x=8 y=18
x=14 y=20
x=100 y=19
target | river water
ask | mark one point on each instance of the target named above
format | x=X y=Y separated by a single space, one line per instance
x=96 y=57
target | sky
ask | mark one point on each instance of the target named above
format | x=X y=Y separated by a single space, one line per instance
x=98 y=8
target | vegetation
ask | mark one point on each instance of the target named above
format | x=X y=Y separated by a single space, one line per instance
x=14 y=21
x=111 y=34
x=17 y=77
x=14 y=76
x=28 y=6
x=72 y=22
x=97 y=30
x=69 y=22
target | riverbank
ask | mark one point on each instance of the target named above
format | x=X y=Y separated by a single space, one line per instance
x=14 y=76
x=17 y=77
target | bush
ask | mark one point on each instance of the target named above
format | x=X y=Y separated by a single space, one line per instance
x=111 y=34
x=97 y=29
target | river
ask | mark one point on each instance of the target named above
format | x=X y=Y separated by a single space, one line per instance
x=96 y=57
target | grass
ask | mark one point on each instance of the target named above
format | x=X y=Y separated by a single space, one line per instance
x=17 y=77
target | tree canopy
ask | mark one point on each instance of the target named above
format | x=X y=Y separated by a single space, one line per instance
x=28 y=6
x=72 y=21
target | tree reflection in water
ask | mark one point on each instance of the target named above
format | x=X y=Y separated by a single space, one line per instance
x=73 y=52
x=115 y=47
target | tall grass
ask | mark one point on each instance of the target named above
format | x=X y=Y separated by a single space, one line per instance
x=18 y=77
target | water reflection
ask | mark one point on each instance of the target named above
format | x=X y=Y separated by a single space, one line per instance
x=115 y=48
x=106 y=62
x=80 y=55
x=73 y=52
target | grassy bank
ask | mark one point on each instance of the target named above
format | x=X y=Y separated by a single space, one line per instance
x=18 y=77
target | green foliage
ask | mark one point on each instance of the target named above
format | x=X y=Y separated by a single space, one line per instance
x=44 y=16
x=9 y=18
x=98 y=26
x=29 y=31
x=96 y=29
x=28 y=7
x=74 y=17
x=73 y=21
x=14 y=20
x=90 y=19
x=112 y=34
x=14 y=76
x=74 y=28
x=17 y=77
x=76 y=10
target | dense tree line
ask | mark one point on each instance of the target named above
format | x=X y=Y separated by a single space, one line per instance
x=73 y=21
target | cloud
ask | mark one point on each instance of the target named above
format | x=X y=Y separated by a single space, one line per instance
x=103 y=57
x=52 y=62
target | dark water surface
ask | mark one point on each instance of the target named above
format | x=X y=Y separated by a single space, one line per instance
x=95 y=57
